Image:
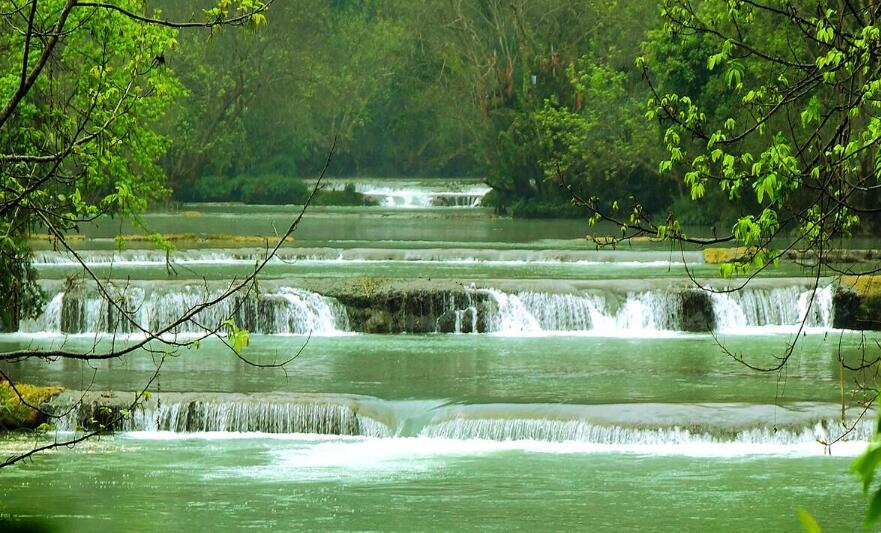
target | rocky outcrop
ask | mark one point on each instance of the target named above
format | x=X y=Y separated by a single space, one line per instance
x=18 y=414
x=696 y=311
x=857 y=303
x=416 y=311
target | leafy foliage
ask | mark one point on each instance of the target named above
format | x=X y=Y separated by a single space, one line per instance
x=82 y=141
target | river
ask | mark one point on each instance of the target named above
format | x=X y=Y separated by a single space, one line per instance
x=460 y=371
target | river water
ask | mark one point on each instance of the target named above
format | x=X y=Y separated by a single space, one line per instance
x=540 y=383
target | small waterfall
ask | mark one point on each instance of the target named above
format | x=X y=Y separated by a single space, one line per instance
x=466 y=199
x=245 y=416
x=782 y=306
x=653 y=311
x=585 y=432
x=465 y=314
x=511 y=314
x=535 y=312
x=49 y=320
x=287 y=311
x=300 y=312
x=415 y=195
x=561 y=312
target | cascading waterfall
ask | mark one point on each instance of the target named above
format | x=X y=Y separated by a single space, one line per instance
x=148 y=257
x=296 y=311
x=782 y=306
x=649 y=425
x=654 y=311
x=285 y=311
x=585 y=432
x=421 y=196
x=536 y=312
x=239 y=417
x=466 y=316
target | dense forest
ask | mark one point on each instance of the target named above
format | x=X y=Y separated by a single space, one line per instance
x=499 y=90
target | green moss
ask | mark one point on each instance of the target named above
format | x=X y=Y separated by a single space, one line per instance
x=14 y=414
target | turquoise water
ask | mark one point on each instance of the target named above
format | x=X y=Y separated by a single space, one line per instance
x=364 y=484
x=616 y=429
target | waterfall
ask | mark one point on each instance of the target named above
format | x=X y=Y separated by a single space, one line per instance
x=415 y=195
x=585 y=432
x=648 y=425
x=208 y=256
x=782 y=306
x=560 y=312
x=241 y=416
x=286 y=311
x=649 y=312
x=465 y=315
x=294 y=311
x=536 y=312
x=511 y=314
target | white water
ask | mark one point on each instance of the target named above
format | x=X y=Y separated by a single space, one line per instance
x=238 y=256
x=287 y=311
x=707 y=429
x=654 y=313
x=580 y=431
x=245 y=417
x=784 y=306
x=415 y=196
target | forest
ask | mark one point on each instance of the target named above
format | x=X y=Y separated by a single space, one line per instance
x=500 y=90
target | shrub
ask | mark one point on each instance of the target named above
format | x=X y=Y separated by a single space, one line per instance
x=273 y=189
x=216 y=189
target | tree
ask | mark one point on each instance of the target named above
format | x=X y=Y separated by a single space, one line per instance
x=83 y=87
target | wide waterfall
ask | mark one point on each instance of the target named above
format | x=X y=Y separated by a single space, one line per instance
x=414 y=195
x=224 y=256
x=607 y=313
x=187 y=413
x=325 y=414
x=580 y=431
x=283 y=311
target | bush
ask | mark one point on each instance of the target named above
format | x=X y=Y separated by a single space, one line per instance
x=273 y=189
x=216 y=189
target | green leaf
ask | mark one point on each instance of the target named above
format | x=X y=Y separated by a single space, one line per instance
x=873 y=513
x=808 y=523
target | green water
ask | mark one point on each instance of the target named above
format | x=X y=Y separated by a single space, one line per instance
x=161 y=481
x=483 y=369
x=356 y=484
